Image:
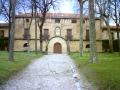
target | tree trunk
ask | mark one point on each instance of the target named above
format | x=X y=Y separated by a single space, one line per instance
x=11 y=48
x=118 y=37
x=93 y=48
x=41 y=39
x=35 y=29
x=81 y=29
x=110 y=37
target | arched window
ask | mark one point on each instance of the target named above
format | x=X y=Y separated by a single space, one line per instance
x=88 y=46
x=25 y=45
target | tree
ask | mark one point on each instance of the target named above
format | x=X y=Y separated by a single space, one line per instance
x=81 y=2
x=44 y=6
x=104 y=7
x=115 y=16
x=11 y=49
x=93 y=48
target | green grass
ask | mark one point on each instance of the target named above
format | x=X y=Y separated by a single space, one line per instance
x=21 y=60
x=105 y=74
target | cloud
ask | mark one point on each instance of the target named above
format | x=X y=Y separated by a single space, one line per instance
x=2 y=22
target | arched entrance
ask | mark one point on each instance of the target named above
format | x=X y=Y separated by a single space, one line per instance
x=57 y=48
x=57 y=42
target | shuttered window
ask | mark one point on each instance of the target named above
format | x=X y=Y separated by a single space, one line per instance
x=69 y=34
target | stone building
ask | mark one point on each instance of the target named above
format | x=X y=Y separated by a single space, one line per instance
x=60 y=33
x=105 y=38
x=4 y=27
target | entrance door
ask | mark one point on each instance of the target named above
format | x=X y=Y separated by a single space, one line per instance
x=57 y=48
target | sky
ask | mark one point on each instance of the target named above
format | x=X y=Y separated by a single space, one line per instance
x=66 y=7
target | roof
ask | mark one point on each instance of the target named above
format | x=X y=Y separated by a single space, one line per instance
x=53 y=15
x=111 y=27
x=4 y=25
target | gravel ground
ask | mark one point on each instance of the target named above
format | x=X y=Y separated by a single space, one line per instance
x=50 y=72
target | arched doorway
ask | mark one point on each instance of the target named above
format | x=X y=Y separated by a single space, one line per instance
x=57 y=48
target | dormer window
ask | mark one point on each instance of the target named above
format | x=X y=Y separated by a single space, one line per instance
x=57 y=20
x=74 y=21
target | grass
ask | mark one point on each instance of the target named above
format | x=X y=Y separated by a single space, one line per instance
x=21 y=60
x=105 y=74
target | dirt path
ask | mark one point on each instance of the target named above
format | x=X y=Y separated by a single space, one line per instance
x=50 y=72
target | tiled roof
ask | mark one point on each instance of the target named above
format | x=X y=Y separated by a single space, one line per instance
x=4 y=24
x=54 y=15
x=111 y=27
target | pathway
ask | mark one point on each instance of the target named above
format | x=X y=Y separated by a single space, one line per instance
x=50 y=72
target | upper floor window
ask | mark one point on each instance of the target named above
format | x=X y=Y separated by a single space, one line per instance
x=57 y=20
x=1 y=33
x=27 y=20
x=69 y=34
x=87 y=35
x=26 y=31
x=74 y=21
x=41 y=20
x=46 y=35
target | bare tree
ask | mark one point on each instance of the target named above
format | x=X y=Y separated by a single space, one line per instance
x=93 y=48
x=104 y=7
x=81 y=2
x=44 y=6
x=115 y=10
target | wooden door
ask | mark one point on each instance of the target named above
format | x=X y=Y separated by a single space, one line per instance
x=57 y=48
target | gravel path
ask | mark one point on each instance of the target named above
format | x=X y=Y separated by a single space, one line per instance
x=50 y=72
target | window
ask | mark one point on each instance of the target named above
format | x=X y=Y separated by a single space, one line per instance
x=112 y=35
x=25 y=45
x=88 y=46
x=46 y=36
x=27 y=20
x=74 y=21
x=2 y=33
x=87 y=35
x=69 y=34
x=26 y=31
x=57 y=20
x=41 y=20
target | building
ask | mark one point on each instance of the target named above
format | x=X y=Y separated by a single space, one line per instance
x=105 y=38
x=60 y=33
x=4 y=27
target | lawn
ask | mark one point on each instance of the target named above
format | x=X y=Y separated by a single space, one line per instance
x=105 y=74
x=21 y=60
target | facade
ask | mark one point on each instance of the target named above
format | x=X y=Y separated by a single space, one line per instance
x=60 y=32
x=105 y=38
x=105 y=35
x=4 y=27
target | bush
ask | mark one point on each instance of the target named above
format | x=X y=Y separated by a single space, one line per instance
x=3 y=43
